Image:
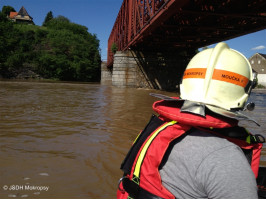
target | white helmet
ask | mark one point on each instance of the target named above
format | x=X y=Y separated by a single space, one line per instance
x=220 y=77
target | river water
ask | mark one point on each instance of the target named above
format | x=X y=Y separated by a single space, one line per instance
x=67 y=140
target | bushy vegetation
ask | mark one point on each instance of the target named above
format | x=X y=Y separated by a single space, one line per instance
x=57 y=50
x=259 y=86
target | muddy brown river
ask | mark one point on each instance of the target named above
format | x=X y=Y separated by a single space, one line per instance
x=67 y=140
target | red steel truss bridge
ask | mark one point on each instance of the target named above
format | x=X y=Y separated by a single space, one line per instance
x=170 y=25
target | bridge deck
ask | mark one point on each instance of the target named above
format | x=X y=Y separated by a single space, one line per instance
x=172 y=25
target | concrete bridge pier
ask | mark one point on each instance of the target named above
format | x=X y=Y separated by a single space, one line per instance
x=106 y=74
x=124 y=70
x=153 y=70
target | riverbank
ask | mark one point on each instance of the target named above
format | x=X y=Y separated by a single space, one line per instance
x=23 y=74
x=43 y=80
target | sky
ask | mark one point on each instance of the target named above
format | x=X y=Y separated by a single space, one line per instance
x=99 y=17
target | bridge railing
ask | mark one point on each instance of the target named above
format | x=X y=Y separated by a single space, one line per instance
x=133 y=17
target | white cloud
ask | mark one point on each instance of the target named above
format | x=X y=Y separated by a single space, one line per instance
x=258 y=48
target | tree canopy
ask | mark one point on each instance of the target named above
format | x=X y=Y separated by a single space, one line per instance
x=48 y=18
x=59 y=50
x=7 y=9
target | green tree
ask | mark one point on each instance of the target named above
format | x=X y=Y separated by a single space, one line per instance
x=8 y=41
x=7 y=9
x=48 y=18
x=78 y=48
x=60 y=50
x=114 y=48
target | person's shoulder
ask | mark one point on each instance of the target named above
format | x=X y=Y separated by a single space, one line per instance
x=204 y=142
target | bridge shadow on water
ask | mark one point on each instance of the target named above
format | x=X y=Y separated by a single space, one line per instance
x=162 y=70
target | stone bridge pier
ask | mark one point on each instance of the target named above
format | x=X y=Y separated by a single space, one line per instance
x=153 y=70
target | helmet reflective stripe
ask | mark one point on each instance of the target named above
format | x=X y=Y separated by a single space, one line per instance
x=195 y=73
x=218 y=76
x=230 y=77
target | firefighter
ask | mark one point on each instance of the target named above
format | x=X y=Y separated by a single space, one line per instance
x=195 y=148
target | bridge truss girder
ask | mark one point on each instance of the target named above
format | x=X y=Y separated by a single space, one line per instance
x=174 y=25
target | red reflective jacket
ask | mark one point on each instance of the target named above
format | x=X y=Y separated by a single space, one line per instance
x=141 y=165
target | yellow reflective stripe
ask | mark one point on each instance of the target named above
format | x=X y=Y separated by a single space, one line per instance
x=248 y=139
x=137 y=137
x=146 y=146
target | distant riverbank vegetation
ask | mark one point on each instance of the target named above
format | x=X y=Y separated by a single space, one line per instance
x=59 y=49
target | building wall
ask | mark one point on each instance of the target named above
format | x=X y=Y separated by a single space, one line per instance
x=262 y=79
x=258 y=63
x=23 y=17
